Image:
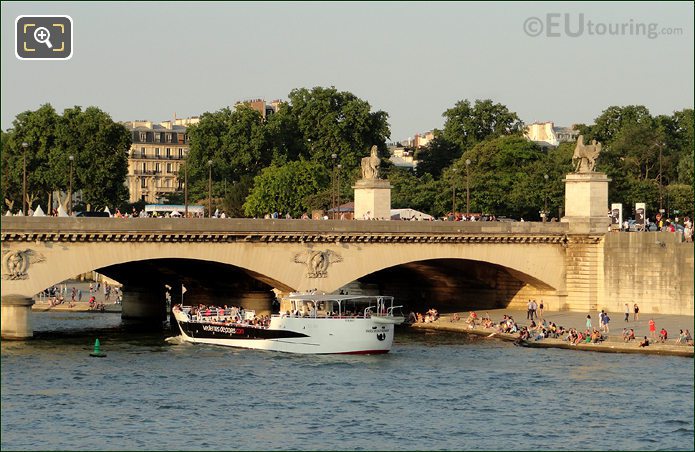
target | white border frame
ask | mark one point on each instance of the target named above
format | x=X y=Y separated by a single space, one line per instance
x=72 y=41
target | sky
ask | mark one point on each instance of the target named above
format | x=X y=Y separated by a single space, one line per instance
x=546 y=61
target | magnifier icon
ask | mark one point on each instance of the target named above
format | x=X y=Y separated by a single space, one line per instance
x=43 y=36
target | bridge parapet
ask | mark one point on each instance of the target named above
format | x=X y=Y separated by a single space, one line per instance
x=232 y=230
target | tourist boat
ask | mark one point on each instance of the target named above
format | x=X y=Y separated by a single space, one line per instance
x=307 y=323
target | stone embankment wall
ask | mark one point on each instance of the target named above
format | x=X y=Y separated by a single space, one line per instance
x=652 y=269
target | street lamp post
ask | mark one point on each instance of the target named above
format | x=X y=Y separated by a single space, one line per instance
x=338 y=191
x=72 y=159
x=468 y=189
x=661 y=185
x=333 y=157
x=453 y=195
x=185 y=188
x=209 y=188
x=25 y=145
x=545 y=199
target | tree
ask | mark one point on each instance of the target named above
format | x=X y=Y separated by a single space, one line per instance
x=506 y=176
x=467 y=125
x=99 y=147
x=612 y=120
x=100 y=150
x=337 y=122
x=236 y=196
x=234 y=140
x=436 y=155
x=286 y=188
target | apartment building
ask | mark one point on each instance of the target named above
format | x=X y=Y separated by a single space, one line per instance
x=155 y=158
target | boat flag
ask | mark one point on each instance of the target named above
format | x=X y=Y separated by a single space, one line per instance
x=183 y=289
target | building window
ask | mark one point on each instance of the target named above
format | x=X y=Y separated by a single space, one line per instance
x=144 y=168
x=157 y=168
x=168 y=153
x=166 y=183
x=168 y=136
x=156 y=152
x=168 y=168
x=142 y=153
x=180 y=153
x=143 y=136
x=157 y=137
x=143 y=182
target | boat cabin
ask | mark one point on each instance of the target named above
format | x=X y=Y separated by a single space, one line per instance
x=341 y=306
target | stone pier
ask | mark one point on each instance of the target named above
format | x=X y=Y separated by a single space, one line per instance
x=16 y=317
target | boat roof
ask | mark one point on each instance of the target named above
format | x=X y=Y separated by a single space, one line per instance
x=327 y=297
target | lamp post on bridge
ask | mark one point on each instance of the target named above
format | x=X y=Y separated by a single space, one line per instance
x=333 y=157
x=25 y=145
x=72 y=159
x=209 y=188
x=468 y=189
x=545 y=199
x=338 y=191
x=185 y=188
x=453 y=195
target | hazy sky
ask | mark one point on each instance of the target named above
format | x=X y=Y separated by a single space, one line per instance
x=139 y=60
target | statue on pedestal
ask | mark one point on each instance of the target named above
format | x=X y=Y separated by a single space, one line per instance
x=586 y=155
x=370 y=165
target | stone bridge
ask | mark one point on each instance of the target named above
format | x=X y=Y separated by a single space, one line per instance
x=495 y=261
x=449 y=265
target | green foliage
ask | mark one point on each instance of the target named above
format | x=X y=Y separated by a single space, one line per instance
x=236 y=195
x=468 y=125
x=506 y=177
x=644 y=155
x=338 y=122
x=679 y=197
x=436 y=155
x=286 y=188
x=99 y=147
x=313 y=125
x=424 y=194
x=233 y=140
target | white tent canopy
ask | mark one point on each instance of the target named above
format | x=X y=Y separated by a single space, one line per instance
x=409 y=214
x=39 y=212
x=62 y=212
x=192 y=208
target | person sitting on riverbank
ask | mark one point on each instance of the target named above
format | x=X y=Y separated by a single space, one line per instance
x=629 y=335
x=663 y=335
x=579 y=338
x=487 y=323
x=523 y=336
x=433 y=315
x=596 y=337
x=644 y=343
x=455 y=318
x=688 y=338
x=472 y=319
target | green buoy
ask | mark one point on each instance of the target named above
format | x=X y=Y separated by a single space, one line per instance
x=97 y=352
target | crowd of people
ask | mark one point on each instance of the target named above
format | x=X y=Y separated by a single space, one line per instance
x=227 y=315
x=432 y=315
x=540 y=328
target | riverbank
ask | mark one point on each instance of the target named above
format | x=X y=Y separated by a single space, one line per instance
x=78 y=306
x=614 y=343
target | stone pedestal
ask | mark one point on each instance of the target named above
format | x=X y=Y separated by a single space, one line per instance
x=586 y=203
x=372 y=199
x=16 y=317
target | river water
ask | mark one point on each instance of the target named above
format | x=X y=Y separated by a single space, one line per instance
x=433 y=391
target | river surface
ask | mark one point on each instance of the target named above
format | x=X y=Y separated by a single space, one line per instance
x=440 y=391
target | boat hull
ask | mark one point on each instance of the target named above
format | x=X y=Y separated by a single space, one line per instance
x=303 y=335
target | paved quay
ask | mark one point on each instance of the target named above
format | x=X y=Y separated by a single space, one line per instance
x=614 y=343
x=41 y=303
